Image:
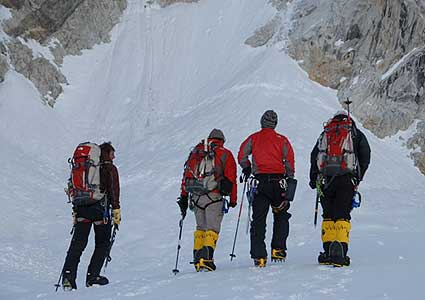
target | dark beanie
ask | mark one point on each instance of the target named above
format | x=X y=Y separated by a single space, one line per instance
x=217 y=134
x=269 y=119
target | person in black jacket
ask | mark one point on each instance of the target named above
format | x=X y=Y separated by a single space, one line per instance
x=337 y=193
x=98 y=215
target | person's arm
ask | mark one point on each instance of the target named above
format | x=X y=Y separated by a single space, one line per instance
x=244 y=151
x=114 y=189
x=288 y=158
x=230 y=174
x=363 y=153
x=314 y=170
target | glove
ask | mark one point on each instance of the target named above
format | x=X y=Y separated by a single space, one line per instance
x=246 y=173
x=116 y=216
x=312 y=184
x=183 y=204
x=233 y=204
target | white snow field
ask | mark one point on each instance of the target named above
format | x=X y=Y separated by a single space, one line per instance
x=167 y=78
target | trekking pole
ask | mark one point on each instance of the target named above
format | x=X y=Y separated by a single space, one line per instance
x=111 y=243
x=175 y=271
x=232 y=255
x=57 y=285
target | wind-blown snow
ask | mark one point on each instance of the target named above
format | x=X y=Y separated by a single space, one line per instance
x=167 y=78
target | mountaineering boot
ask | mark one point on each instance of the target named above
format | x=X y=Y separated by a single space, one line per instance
x=68 y=281
x=278 y=255
x=206 y=265
x=343 y=228
x=336 y=253
x=198 y=244
x=260 y=262
x=99 y=280
x=206 y=262
x=324 y=258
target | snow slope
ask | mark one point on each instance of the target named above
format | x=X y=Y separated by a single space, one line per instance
x=168 y=77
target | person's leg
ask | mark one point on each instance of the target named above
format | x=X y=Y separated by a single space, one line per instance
x=343 y=207
x=280 y=234
x=78 y=244
x=214 y=216
x=260 y=208
x=102 y=241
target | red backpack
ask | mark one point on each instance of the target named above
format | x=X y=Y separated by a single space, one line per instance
x=199 y=169
x=336 y=151
x=84 y=182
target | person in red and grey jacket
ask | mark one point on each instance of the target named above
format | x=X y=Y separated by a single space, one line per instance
x=272 y=160
x=98 y=215
x=208 y=207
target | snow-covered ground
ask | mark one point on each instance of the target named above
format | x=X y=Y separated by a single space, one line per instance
x=168 y=77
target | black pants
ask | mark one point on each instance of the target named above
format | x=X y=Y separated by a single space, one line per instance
x=79 y=243
x=268 y=193
x=338 y=195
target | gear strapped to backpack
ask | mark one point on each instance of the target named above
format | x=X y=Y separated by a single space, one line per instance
x=336 y=151
x=84 y=182
x=199 y=172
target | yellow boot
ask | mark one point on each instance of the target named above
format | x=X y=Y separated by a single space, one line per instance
x=343 y=228
x=206 y=263
x=198 y=244
x=328 y=236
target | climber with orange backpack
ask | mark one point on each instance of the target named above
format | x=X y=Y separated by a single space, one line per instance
x=94 y=191
x=209 y=176
x=339 y=161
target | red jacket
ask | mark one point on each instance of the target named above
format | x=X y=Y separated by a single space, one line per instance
x=225 y=165
x=271 y=153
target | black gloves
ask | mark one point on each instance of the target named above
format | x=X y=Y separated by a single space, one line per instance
x=183 y=203
x=246 y=172
x=312 y=184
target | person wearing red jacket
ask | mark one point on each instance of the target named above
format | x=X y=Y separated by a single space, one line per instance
x=208 y=205
x=272 y=161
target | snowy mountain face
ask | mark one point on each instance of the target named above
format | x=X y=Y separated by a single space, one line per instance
x=167 y=78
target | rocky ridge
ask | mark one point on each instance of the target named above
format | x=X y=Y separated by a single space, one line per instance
x=372 y=51
x=62 y=27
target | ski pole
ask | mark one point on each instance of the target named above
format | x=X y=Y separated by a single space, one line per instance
x=57 y=285
x=111 y=243
x=175 y=271
x=232 y=255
